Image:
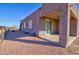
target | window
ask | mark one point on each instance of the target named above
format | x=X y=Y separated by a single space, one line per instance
x=30 y=24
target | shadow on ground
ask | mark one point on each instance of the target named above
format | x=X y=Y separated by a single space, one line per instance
x=14 y=36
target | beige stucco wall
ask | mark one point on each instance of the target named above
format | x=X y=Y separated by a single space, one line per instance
x=76 y=13
x=42 y=26
x=63 y=13
x=73 y=27
x=55 y=28
x=35 y=22
x=48 y=8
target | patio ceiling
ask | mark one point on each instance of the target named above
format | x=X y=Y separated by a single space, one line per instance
x=55 y=14
x=52 y=15
x=72 y=15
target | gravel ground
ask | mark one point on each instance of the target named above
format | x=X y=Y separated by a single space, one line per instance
x=22 y=44
x=74 y=47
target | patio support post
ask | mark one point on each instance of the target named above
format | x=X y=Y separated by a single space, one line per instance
x=64 y=26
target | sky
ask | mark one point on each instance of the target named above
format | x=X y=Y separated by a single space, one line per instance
x=77 y=6
x=12 y=13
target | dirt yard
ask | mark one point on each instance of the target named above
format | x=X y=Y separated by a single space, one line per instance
x=18 y=43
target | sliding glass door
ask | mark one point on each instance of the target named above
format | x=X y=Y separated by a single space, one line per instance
x=48 y=26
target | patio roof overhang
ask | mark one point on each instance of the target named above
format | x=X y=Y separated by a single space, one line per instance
x=74 y=12
x=51 y=15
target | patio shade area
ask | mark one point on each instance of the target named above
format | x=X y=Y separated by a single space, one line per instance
x=73 y=25
x=49 y=27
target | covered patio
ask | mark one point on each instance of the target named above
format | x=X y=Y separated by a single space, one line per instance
x=59 y=27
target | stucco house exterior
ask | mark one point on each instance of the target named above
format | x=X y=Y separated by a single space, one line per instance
x=57 y=22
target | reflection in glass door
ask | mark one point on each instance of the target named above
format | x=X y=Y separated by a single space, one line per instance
x=48 y=26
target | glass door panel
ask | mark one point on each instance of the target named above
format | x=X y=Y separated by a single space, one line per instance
x=48 y=27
